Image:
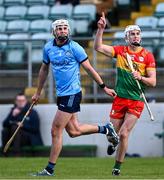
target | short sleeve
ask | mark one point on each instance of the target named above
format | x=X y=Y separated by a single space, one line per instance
x=116 y=50
x=150 y=61
x=46 y=59
x=79 y=52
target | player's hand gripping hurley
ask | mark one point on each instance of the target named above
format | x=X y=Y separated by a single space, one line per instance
x=130 y=63
x=21 y=123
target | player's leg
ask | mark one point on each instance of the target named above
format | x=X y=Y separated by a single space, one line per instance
x=129 y=122
x=67 y=106
x=134 y=110
x=74 y=129
x=59 y=123
x=117 y=114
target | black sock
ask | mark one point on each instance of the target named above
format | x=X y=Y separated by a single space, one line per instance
x=102 y=129
x=50 y=167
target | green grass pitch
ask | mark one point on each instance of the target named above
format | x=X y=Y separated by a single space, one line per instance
x=82 y=168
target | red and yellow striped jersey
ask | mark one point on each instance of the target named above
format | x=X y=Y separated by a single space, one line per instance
x=143 y=61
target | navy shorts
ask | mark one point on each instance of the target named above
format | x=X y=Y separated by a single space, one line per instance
x=70 y=104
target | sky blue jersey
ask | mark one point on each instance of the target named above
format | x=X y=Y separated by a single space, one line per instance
x=65 y=62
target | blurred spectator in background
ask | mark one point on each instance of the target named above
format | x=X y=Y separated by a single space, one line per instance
x=73 y=2
x=29 y=133
x=110 y=10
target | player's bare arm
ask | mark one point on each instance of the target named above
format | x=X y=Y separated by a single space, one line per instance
x=98 y=44
x=91 y=71
x=150 y=79
x=41 y=80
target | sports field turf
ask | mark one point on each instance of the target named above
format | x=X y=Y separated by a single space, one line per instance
x=83 y=168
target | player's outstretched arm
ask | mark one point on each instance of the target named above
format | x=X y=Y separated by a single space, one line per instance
x=98 y=44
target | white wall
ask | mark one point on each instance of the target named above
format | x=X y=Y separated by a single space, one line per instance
x=142 y=139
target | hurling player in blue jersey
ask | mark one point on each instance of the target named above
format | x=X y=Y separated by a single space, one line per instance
x=65 y=57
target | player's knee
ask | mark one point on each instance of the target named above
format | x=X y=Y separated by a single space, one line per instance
x=55 y=131
x=74 y=134
x=124 y=135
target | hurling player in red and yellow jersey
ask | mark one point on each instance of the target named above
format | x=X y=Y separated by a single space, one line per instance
x=128 y=105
